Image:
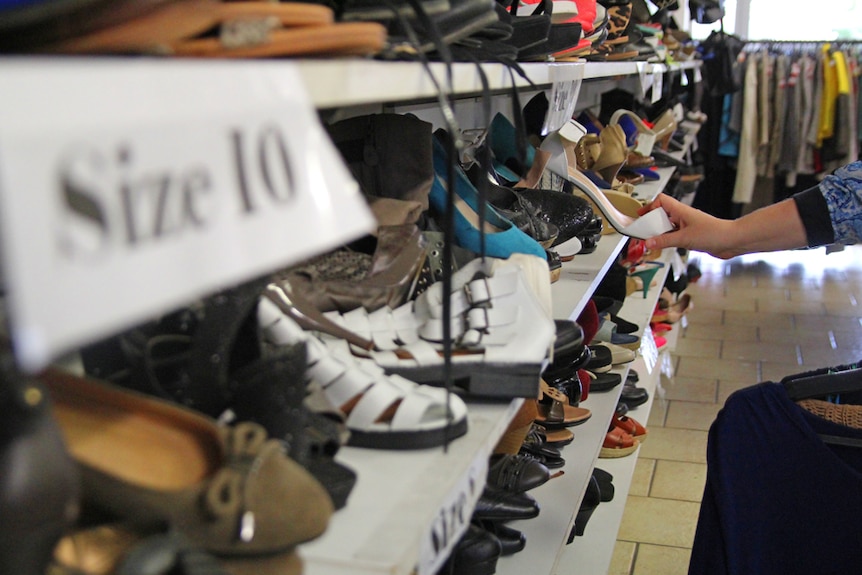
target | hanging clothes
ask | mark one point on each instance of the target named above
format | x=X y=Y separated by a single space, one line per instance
x=746 y=170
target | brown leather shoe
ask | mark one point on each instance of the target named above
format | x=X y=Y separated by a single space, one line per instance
x=230 y=490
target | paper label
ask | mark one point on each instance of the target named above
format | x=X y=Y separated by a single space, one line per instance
x=130 y=190
x=657 y=83
x=566 y=82
x=453 y=518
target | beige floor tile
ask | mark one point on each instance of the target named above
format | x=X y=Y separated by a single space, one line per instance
x=846 y=308
x=642 y=477
x=698 y=347
x=832 y=322
x=835 y=297
x=622 y=558
x=785 y=352
x=734 y=332
x=675 y=445
x=658 y=411
x=725 y=388
x=770 y=371
x=823 y=357
x=676 y=528
x=705 y=316
x=776 y=335
x=684 y=388
x=661 y=560
x=715 y=368
x=678 y=480
x=779 y=320
x=736 y=303
x=768 y=305
x=759 y=293
x=691 y=415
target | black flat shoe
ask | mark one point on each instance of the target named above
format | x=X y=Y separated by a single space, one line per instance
x=633 y=396
x=497 y=504
x=516 y=473
x=476 y=553
x=511 y=540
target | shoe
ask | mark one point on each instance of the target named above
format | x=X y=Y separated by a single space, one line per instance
x=476 y=553
x=606 y=485
x=651 y=224
x=645 y=273
x=633 y=396
x=604 y=381
x=630 y=426
x=423 y=416
x=39 y=483
x=128 y=548
x=592 y=499
x=619 y=355
x=499 y=236
x=511 y=540
x=555 y=411
x=516 y=473
x=617 y=443
x=230 y=490
x=501 y=358
x=497 y=504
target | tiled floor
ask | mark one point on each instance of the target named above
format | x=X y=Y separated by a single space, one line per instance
x=755 y=318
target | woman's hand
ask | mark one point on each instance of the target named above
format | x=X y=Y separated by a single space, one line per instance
x=693 y=229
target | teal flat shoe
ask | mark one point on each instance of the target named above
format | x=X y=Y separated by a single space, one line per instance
x=502 y=237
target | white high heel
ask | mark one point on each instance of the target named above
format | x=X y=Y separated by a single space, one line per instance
x=651 y=224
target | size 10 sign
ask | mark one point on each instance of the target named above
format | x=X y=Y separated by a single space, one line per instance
x=566 y=80
x=129 y=189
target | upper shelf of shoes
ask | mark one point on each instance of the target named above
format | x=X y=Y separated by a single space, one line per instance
x=338 y=83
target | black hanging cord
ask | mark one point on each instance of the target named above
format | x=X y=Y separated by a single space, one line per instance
x=453 y=145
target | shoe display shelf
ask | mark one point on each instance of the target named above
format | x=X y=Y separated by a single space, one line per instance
x=407 y=509
x=351 y=82
x=547 y=550
x=592 y=553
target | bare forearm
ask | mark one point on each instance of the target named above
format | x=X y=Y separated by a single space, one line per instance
x=772 y=228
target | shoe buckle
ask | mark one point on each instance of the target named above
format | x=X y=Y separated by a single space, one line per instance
x=478 y=291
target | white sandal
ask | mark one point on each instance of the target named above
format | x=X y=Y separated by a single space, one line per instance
x=500 y=331
x=382 y=411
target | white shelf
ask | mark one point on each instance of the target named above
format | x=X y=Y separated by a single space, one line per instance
x=559 y=499
x=395 y=506
x=400 y=507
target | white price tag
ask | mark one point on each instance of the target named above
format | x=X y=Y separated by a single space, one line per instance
x=698 y=77
x=566 y=82
x=657 y=83
x=453 y=518
x=131 y=188
x=645 y=76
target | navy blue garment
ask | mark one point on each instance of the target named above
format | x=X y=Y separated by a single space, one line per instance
x=778 y=500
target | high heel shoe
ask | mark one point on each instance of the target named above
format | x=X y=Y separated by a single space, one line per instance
x=646 y=273
x=651 y=224
x=521 y=170
x=39 y=484
x=664 y=128
x=501 y=237
x=639 y=136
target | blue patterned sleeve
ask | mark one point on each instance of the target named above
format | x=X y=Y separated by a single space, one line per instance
x=842 y=191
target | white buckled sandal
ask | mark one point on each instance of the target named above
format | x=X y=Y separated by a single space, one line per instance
x=500 y=331
x=382 y=411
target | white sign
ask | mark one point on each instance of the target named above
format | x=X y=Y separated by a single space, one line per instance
x=657 y=83
x=566 y=80
x=129 y=188
x=453 y=518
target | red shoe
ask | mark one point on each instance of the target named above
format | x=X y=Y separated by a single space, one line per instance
x=630 y=426
x=618 y=443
